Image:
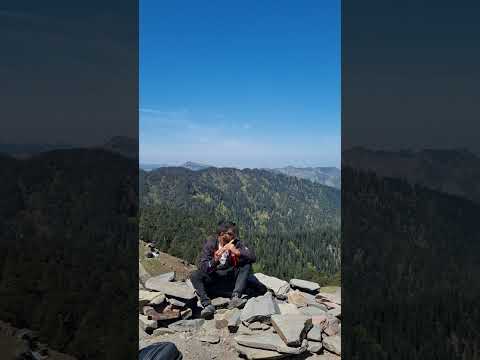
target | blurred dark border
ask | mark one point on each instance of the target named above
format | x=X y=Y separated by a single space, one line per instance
x=410 y=175
x=69 y=169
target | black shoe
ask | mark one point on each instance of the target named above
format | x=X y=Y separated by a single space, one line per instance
x=208 y=312
x=236 y=302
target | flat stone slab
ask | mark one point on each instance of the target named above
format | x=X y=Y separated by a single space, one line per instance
x=257 y=354
x=288 y=309
x=163 y=331
x=333 y=326
x=176 y=289
x=234 y=320
x=292 y=328
x=333 y=344
x=336 y=312
x=257 y=325
x=312 y=311
x=211 y=339
x=315 y=333
x=145 y=297
x=304 y=285
x=260 y=308
x=314 y=347
x=297 y=298
x=166 y=314
x=220 y=302
x=279 y=287
x=176 y=302
x=269 y=341
x=186 y=325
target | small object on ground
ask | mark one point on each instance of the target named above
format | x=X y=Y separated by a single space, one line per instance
x=212 y=339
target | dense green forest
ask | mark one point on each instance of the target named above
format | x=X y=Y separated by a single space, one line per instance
x=68 y=250
x=410 y=271
x=293 y=224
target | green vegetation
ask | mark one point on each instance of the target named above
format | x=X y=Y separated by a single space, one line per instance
x=293 y=224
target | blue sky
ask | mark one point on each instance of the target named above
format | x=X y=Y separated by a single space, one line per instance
x=240 y=83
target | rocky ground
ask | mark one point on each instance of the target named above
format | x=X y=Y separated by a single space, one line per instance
x=295 y=319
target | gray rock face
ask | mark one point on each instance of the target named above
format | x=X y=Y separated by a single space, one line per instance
x=176 y=289
x=269 y=341
x=257 y=325
x=336 y=312
x=186 y=325
x=158 y=300
x=315 y=333
x=333 y=344
x=333 y=326
x=279 y=287
x=254 y=354
x=260 y=308
x=145 y=297
x=176 y=302
x=292 y=328
x=304 y=285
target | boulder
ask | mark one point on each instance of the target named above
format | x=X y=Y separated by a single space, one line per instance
x=314 y=347
x=304 y=285
x=336 y=312
x=260 y=308
x=269 y=341
x=143 y=274
x=212 y=339
x=292 y=328
x=186 y=325
x=256 y=354
x=288 y=309
x=146 y=323
x=178 y=290
x=296 y=298
x=176 y=302
x=158 y=300
x=279 y=287
x=145 y=297
x=333 y=326
x=141 y=333
x=320 y=320
x=169 y=276
x=315 y=333
x=333 y=344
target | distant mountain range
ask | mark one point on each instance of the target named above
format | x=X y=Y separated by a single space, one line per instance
x=455 y=172
x=329 y=176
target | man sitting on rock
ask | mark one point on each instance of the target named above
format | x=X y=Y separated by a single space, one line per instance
x=225 y=263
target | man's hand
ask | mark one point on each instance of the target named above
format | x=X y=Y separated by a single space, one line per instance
x=231 y=247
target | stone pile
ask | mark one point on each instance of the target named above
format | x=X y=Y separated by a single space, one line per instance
x=290 y=319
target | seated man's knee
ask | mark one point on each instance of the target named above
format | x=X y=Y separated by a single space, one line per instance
x=197 y=275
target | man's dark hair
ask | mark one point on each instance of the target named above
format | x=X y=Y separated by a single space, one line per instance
x=223 y=226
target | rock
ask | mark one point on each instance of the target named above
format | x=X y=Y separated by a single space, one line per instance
x=297 y=298
x=163 y=331
x=158 y=300
x=314 y=347
x=257 y=325
x=147 y=324
x=166 y=314
x=292 y=328
x=336 y=312
x=145 y=297
x=244 y=330
x=186 y=314
x=189 y=284
x=260 y=308
x=320 y=320
x=212 y=339
x=169 y=276
x=186 y=325
x=279 y=287
x=334 y=297
x=176 y=302
x=234 y=320
x=305 y=285
x=221 y=323
x=315 y=333
x=333 y=326
x=311 y=311
x=220 y=302
x=140 y=286
x=254 y=354
x=333 y=344
x=178 y=290
x=269 y=341
x=288 y=309
x=141 y=333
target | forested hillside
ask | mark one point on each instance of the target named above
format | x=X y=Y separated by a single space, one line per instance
x=68 y=250
x=411 y=275
x=294 y=224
